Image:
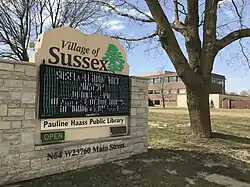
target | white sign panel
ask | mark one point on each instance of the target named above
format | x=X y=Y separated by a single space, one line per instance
x=69 y=123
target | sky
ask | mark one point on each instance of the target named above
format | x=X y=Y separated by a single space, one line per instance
x=234 y=67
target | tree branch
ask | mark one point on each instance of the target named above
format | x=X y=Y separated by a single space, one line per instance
x=244 y=54
x=8 y=55
x=192 y=39
x=239 y=14
x=171 y=46
x=138 y=10
x=232 y=37
x=150 y=20
x=209 y=37
x=135 y=39
x=183 y=8
x=178 y=25
x=176 y=13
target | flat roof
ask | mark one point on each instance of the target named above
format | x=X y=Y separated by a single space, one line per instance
x=168 y=73
x=157 y=74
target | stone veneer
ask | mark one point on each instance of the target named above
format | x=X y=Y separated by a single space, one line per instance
x=21 y=159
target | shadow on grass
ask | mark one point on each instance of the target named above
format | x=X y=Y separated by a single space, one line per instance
x=233 y=138
x=158 y=167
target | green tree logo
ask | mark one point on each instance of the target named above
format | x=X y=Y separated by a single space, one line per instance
x=114 y=56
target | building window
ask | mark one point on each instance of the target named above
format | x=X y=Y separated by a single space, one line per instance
x=172 y=79
x=166 y=80
x=150 y=81
x=182 y=90
x=217 y=80
x=157 y=92
x=150 y=91
x=157 y=81
x=157 y=102
x=162 y=80
x=220 y=81
x=173 y=91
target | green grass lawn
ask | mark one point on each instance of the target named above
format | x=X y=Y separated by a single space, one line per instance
x=174 y=157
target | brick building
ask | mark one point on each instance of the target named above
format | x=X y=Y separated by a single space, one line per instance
x=225 y=101
x=171 y=85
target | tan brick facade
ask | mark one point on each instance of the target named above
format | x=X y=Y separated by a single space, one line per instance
x=173 y=86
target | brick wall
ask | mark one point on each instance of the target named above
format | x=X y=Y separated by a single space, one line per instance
x=21 y=160
x=236 y=104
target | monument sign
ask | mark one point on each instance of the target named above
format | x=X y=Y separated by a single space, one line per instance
x=83 y=86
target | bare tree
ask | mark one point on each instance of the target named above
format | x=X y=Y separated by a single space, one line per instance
x=163 y=86
x=232 y=93
x=245 y=93
x=72 y=13
x=15 y=28
x=21 y=21
x=195 y=67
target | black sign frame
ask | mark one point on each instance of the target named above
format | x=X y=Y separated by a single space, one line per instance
x=41 y=94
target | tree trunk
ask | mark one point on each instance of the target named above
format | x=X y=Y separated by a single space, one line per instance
x=25 y=56
x=199 y=112
x=163 y=102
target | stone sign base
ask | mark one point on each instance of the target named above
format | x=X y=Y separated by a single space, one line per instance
x=21 y=159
